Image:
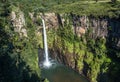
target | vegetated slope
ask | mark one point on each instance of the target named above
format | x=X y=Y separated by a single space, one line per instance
x=18 y=56
x=90 y=8
x=79 y=7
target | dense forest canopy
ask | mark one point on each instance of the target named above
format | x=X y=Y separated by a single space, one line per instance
x=81 y=7
x=96 y=57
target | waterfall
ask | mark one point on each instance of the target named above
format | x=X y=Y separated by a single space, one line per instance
x=46 y=62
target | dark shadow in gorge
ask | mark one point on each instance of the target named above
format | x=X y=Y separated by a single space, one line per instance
x=85 y=68
x=12 y=67
x=113 y=47
x=114 y=50
x=10 y=72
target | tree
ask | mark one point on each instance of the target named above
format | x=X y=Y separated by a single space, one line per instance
x=113 y=1
x=96 y=0
x=46 y=80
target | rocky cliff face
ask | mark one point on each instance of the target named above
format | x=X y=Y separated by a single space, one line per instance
x=99 y=27
x=18 y=22
x=104 y=28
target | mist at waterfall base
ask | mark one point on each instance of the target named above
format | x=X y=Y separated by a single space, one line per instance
x=54 y=71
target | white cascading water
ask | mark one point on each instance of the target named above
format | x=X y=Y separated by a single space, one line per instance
x=46 y=62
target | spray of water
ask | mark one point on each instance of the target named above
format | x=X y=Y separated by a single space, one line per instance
x=46 y=62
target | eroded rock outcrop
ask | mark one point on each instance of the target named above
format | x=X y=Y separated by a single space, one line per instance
x=18 y=22
x=98 y=27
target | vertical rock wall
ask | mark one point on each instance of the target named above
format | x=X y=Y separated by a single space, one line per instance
x=18 y=22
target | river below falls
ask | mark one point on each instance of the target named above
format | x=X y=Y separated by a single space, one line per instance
x=61 y=73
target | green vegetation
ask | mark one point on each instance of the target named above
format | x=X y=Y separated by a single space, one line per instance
x=94 y=58
x=46 y=80
x=92 y=53
x=18 y=58
x=101 y=8
x=90 y=8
